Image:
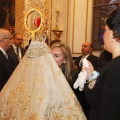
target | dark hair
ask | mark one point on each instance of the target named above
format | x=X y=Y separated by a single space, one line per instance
x=113 y=22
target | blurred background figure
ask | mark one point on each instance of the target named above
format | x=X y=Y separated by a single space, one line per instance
x=5 y=67
x=16 y=52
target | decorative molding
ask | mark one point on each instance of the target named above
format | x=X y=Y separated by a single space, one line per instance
x=76 y=30
x=86 y=20
x=73 y=27
x=68 y=7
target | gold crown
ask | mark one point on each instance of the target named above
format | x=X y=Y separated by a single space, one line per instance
x=37 y=48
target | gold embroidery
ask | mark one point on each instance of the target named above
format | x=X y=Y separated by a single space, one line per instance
x=66 y=110
x=28 y=64
x=56 y=116
x=34 y=117
x=38 y=79
x=40 y=99
x=59 y=72
x=68 y=117
x=17 y=103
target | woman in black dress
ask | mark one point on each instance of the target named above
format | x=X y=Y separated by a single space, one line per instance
x=103 y=93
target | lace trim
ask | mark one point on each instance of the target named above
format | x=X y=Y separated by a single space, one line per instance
x=37 y=48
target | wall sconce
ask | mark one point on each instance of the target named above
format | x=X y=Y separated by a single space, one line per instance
x=56 y=31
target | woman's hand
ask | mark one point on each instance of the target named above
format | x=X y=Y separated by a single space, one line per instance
x=89 y=70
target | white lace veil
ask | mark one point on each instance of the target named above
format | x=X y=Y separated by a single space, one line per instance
x=37 y=90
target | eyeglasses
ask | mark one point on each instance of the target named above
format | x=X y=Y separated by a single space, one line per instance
x=8 y=38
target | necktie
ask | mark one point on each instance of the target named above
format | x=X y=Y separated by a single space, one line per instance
x=81 y=64
x=17 y=52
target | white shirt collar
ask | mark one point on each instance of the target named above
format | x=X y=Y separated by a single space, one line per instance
x=4 y=52
x=86 y=55
x=14 y=46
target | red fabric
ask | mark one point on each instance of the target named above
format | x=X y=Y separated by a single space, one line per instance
x=37 y=22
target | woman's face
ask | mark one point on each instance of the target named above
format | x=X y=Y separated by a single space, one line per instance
x=108 y=38
x=58 y=56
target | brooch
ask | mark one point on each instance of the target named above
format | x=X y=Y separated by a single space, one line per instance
x=92 y=84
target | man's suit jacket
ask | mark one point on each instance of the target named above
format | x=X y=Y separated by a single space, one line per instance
x=92 y=58
x=14 y=61
x=5 y=70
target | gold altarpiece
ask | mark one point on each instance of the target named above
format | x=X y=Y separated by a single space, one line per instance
x=20 y=5
x=19 y=9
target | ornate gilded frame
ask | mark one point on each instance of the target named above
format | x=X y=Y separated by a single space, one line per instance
x=7 y=15
x=101 y=9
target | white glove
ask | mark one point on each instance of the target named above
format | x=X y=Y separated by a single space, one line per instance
x=82 y=76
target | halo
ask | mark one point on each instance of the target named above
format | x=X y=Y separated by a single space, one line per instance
x=42 y=29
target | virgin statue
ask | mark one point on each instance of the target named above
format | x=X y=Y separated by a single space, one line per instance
x=37 y=90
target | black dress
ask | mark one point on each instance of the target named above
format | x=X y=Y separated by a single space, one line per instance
x=79 y=94
x=104 y=97
x=103 y=59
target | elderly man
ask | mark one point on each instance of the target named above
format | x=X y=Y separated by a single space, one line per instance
x=86 y=53
x=5 y=67
x=16 y=52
